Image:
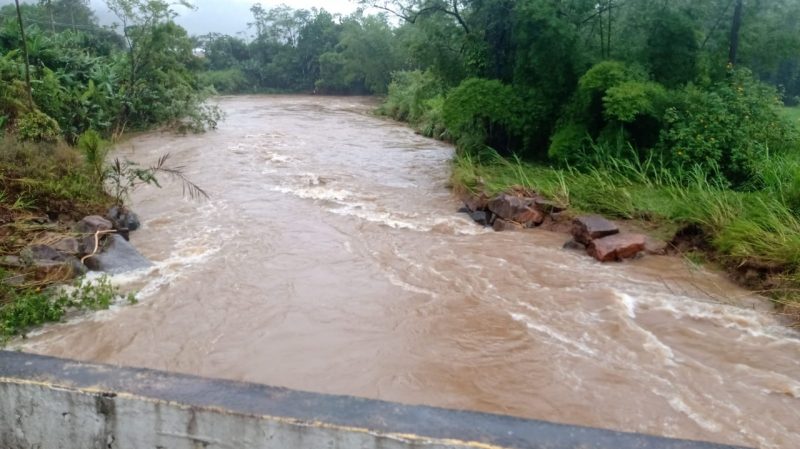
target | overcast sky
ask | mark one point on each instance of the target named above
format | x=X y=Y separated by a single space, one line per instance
x=231 y=16
x=225 y=16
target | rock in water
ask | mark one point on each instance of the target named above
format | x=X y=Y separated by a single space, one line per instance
x=573 y=245
x=480 y=217
x=119 y=256
x=501 y=225
x=616 y=247
x=123 y=218
x=590 y=227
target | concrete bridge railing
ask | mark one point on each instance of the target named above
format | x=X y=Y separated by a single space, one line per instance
x=53 y=403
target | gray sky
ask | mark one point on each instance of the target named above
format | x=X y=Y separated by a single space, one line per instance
x=225 y=16
x=231 y=16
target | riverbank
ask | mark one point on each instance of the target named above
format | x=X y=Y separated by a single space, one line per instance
x=45 y=189
x=753 y=236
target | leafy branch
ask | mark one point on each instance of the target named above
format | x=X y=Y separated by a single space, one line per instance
x=125 y=176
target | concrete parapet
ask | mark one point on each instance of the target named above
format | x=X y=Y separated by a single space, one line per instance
x=53 y=403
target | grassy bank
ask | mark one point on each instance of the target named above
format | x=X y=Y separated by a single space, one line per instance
x=755 y=235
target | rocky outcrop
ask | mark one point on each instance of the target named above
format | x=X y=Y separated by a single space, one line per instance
x=517 y=209
x=599 y=237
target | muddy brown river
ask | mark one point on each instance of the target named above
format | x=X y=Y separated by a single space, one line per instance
x=331 y=258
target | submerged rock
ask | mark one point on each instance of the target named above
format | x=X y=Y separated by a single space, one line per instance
x=590 y=227
x=616 y=247
x=118 y=256
x=501 y=225
x=573 y=245
x=480 y=217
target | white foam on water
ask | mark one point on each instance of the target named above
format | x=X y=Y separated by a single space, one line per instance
x=680 y=406
x=629 y=303
x=567 y=343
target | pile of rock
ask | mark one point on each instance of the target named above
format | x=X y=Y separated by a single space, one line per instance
x=603 y=241
x=594 y=234
x=97 y=243
x=510 y=212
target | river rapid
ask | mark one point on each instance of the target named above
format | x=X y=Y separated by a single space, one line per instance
x=330 y=258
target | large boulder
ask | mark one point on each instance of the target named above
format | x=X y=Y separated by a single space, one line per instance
x=590 y=227
x=516 y=209
x=616 y=247
x=92 y=224
x=118 y=256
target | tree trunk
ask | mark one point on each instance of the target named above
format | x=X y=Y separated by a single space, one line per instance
x=25 y=52
x=737 y=24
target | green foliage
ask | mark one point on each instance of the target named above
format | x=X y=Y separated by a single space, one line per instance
x=25 y=307
x=409 y=93
x=568 y=141
x=37 y=126
x=672 y=49
x=94 y=150
x=730 y=126
x=627 y=101
x=123 y=177
x=228 y=81
x=485 y=110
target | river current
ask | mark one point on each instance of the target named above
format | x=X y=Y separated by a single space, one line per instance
x=331 y=258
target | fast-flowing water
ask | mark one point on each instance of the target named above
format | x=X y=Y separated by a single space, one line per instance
x=331 y=258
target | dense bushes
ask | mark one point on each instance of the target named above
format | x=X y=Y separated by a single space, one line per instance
x=91 y=79
x=37 y=126
x=480 y=110
x=731 y=125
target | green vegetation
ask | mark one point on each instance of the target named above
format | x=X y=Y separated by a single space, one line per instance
x=678 y=115
x=88 y=84
x=24 y=308
x=303 y=51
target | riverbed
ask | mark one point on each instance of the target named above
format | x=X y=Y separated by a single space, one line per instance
x=331 y=257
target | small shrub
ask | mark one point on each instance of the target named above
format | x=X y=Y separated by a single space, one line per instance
x=37 y=126
x=94 y=150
